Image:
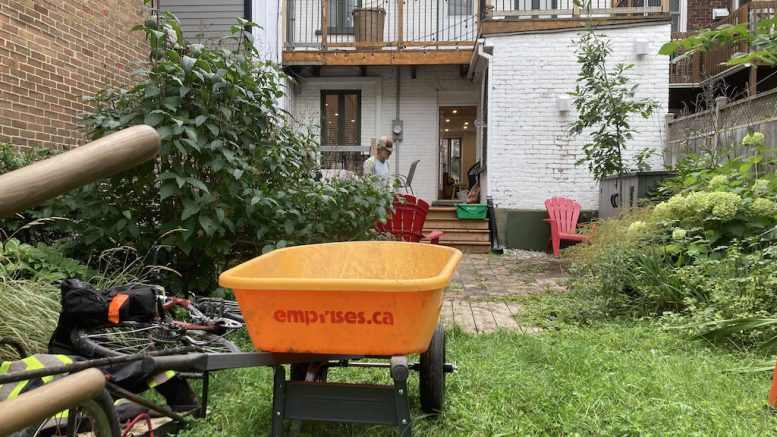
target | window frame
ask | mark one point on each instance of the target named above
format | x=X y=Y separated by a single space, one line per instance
x=341 y=18
x=465 y=6
x=341 y=120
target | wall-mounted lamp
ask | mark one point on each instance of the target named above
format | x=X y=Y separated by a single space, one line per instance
x=563 y=102
x=641 y=47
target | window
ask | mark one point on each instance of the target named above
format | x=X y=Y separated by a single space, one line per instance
x=460 y=7
x=341 y=16
x=341 y=118
x=534 y=5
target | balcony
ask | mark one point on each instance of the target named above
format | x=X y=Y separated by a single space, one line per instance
x=348 y=32
x=704 y=66
x=386 y=32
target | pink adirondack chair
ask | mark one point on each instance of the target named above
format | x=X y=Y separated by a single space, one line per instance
x=408 y=219
x=562 y=217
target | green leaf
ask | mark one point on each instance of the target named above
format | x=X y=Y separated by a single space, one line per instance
x=267 y=248
x=184 y=90
x=289 y=227
x=200 y=120
x=207 y=225
x=168 y=189
x=190 y=207
x=152 y=119
x=220 y=215
x=152 y=91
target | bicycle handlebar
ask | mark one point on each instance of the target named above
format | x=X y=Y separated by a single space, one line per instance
x=43 y=180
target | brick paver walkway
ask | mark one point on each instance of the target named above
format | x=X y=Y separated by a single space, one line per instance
x=481 y=295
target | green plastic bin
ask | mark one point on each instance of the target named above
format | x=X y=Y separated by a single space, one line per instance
x=471 y=211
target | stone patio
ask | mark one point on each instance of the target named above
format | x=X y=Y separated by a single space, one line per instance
x=482 y=294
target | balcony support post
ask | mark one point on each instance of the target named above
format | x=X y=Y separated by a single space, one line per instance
x=400 y=22
x=324 y=22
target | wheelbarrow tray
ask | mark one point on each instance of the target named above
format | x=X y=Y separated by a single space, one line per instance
x=365 y=298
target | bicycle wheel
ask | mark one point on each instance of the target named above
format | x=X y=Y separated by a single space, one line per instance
x=216 y=307
x=95 y=417
x=134 y=338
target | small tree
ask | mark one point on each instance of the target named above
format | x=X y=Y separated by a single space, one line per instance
x=606 y=103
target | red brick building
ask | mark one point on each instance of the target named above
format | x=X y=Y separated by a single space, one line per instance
x=53 y=52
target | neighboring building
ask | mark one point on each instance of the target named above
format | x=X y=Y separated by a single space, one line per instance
x=53 y=52
x=696 y=81
x=457 y=82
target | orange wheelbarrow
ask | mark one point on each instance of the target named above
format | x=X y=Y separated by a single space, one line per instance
x=354 y=299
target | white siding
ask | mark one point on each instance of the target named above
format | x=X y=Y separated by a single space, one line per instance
x=531 y=156
x=419 y=102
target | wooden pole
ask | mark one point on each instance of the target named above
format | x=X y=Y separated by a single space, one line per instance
x=43 y=180
x=400 y=21
x=324 y=21
x=665 y=6
x=30 y=408
x=753 y=85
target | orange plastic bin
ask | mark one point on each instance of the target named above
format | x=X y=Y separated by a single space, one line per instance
x=361 y=298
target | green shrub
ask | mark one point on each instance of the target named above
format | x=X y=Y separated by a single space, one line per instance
x=29 y=310
x=41 y=262
x=235 y=175
x=705 y=255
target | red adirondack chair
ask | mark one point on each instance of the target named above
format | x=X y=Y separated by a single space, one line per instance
x=562 y=217
x=408 y=219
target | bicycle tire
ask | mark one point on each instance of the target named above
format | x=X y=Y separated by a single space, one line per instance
x=99 y=411
x=134 y=338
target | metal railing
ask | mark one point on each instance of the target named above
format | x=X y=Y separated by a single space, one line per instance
x=533 y=9
x=322 y=24
x=704 y=65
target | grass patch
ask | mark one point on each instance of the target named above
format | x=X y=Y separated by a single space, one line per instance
x=604 y=380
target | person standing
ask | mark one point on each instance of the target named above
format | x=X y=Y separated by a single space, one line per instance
x=378 y=165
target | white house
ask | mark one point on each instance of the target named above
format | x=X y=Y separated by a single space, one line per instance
x=457 y=82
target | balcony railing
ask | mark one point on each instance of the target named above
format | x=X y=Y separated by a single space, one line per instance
x=539 y=9
x=704 y=65
x=323 y=24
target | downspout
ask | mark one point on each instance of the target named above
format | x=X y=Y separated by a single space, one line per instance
x=492 y=230
x=397 y=70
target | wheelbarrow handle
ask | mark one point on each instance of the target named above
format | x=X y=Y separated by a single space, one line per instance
x=43 y=180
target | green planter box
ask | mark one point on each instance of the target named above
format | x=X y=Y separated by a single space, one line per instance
x=471 y=211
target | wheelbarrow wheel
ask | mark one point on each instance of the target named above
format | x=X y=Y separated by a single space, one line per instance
x=299 y=372
x=432 y=377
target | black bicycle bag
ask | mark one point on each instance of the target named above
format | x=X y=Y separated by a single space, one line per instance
x=85 y=306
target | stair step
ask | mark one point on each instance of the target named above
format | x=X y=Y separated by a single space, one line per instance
x=464 y=236
x=444 y=224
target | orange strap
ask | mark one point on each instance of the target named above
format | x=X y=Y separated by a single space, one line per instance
x=773 y=391
x=116 y=304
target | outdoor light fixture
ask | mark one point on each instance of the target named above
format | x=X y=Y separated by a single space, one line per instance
x=447 y=120
x=446 y=130
x=641 y=47
x=465 y=127
x=455 y=111
x=563 y=102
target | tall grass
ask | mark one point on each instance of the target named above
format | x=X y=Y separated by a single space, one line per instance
x=28 y=313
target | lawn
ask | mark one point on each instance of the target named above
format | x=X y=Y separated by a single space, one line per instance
x=604 y=380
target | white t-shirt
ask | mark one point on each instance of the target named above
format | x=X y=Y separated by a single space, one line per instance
x=382 y=169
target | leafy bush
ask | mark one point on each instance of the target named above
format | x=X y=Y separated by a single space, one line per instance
x=235 y=173
x=40 y=262
x=705 y=255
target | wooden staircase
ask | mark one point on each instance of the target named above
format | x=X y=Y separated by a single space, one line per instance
x=466 y=235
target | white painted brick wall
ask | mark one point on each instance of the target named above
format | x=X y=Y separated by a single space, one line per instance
x=419 y=103
x=531 y=156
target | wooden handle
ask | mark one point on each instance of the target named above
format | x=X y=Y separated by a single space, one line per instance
x=43 y=180
x=48 y=400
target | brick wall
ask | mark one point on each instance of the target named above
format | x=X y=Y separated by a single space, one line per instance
x=54 y=52
x=531 y=156
x=700 y=12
